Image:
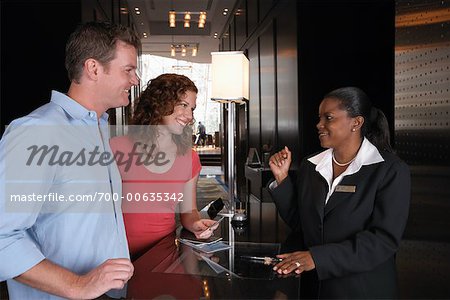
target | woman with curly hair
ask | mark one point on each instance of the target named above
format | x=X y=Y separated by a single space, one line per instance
x=161 y=170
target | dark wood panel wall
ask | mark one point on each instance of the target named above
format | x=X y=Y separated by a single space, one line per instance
x=344 y=43
x=33 y=48
x=267 y=76
x=301 y=50
x=32 y=53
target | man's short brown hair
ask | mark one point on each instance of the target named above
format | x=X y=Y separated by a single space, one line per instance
x=98 y=41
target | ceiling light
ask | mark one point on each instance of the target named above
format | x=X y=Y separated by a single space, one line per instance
x=187 y=18
x=202 y=19
x=172 y=18
x=138 y=12
x=183 y=48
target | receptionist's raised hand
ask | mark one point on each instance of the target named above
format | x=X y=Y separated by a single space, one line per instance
x=279 y=164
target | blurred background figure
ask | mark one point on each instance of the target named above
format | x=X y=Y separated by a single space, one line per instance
x=201 y=135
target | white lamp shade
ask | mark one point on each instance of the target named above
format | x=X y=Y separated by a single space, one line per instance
x=230 y=76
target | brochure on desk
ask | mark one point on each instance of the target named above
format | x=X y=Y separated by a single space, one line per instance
x=207 y=247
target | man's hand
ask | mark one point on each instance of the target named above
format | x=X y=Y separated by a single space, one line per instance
x=54 y=279
x=112 y=274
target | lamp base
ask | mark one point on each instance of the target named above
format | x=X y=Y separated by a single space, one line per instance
x=239 y=219
x=228 y=210
x=226 y=213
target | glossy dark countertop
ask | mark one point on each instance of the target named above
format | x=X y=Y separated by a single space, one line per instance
x=173 y=270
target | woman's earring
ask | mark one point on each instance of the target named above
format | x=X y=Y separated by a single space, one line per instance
x=353 y=129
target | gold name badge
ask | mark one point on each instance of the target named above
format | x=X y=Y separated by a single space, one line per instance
x=346 y=188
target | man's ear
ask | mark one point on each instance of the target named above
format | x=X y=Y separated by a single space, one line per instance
x=358 y=122
x=91 y=68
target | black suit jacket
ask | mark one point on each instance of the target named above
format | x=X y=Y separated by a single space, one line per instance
x=354 y=237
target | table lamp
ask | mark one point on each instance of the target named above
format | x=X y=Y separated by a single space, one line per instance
x=230 y=85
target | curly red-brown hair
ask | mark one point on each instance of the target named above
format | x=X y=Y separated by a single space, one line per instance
x=158 y=100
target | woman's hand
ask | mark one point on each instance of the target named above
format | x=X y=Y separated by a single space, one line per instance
x=298 y=261
x=203 y=228
x=279 y=164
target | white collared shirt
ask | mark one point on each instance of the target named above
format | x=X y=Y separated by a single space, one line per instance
x=368 y=154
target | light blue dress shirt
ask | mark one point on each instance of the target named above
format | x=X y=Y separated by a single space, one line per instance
x=77 y=235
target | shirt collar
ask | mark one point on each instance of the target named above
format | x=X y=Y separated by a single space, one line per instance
x=368 y=154
x=75 y=109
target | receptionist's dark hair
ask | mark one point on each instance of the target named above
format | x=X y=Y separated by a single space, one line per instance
x=357 y=103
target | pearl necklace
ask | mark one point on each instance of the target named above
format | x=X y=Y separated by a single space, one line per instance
x=339 y=164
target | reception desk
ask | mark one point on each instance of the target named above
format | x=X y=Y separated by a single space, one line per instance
x=174 y=270
x=258 y=179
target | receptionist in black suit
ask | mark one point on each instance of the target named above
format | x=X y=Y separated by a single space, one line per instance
x=349 y=204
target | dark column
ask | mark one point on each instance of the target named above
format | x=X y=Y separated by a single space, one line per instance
x=33 y=38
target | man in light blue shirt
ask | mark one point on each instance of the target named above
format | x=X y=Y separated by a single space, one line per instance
x=61 y=226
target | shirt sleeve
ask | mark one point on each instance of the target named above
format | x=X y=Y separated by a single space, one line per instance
x=285 y=197
x=18 y=214
x=196 y=165
x=381 y=238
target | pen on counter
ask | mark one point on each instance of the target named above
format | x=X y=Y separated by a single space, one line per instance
x=266 y=259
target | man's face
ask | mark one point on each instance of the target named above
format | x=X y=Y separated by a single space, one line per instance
x=117 y=78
